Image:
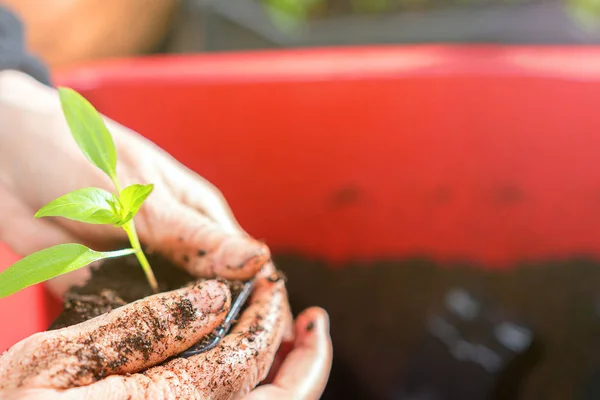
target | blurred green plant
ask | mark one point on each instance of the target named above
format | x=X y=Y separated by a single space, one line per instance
x=290 y=15
x=585 y=12
x=370 y=6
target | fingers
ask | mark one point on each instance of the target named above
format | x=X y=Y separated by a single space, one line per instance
x=202 y=196
x=287 y=345
x=306 y=369
x=26 y=235
x=191 y=224
x=126 y=340
x=34 y=394
x=201 y=246
x=231 y=370
x=243 y=358
x=22 y=232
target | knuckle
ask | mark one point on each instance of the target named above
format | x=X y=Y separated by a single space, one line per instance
x=211 y=190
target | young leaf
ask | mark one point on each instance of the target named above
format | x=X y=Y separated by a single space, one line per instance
x=91 y=205
x=132 y=198
x=49 y=263
x=89 y=131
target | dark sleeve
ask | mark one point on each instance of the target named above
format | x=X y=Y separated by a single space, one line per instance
x=13 y=51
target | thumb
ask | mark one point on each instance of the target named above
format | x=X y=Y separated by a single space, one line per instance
x=128 y=339
x=305 y=371
x=200 y=245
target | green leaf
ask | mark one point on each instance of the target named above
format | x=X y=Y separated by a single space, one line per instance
x=90 y=205
x=46 y=264
x=132 y=198
x=89 y=131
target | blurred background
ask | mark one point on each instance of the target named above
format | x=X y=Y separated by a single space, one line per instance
x=483 y=155
x=64 y=32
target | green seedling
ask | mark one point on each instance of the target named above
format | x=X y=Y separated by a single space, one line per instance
x=88 y=205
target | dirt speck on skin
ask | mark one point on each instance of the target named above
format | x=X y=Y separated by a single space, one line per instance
x=92 y=362
x=184 y=313
x=276 y=277
x=137 y=342
x=310 y=326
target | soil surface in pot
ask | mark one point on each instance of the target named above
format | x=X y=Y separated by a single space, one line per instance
x=117 y=282
x=381 y=311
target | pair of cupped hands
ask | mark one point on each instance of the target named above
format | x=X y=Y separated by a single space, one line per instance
x=39 y=161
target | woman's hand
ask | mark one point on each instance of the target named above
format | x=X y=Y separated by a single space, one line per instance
x=303 y=369
x=186 y=220
x=98 y=359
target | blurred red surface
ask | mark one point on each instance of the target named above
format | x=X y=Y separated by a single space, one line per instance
x=488 y=154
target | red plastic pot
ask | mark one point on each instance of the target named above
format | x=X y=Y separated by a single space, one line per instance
x=488 y=154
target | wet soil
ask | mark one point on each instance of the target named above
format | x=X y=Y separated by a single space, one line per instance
x=117 y=282
x=380 y=311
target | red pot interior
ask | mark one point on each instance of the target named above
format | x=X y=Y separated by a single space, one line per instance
x=488 y=154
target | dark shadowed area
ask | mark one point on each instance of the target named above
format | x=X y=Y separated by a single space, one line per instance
x=385 y=347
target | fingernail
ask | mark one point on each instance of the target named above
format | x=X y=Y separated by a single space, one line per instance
x=241 y=256
x=323 y=321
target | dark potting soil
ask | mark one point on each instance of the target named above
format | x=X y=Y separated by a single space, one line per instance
x=381 y=326
x=117 y=282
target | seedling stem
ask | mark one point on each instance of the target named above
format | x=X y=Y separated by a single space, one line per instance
x=135 y=244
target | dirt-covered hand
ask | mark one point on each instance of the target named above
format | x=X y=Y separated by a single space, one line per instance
x=123 y=341
x=185 y=219
x=74 y=363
